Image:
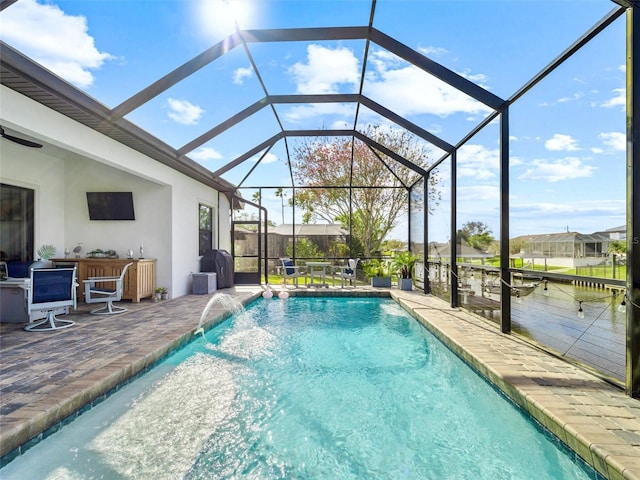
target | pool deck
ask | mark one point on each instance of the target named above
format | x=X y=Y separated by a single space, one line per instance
x=46 y=378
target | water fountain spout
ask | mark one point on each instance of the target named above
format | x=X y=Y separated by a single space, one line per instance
x=226 y=301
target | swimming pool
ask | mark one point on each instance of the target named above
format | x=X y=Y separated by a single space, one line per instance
x=305 y=388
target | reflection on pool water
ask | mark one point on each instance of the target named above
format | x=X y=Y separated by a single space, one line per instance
x=307 y=388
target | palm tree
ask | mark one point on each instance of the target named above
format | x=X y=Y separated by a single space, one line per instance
x=280 y=193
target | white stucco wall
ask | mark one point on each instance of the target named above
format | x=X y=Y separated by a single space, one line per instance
x=152 y=206
x=36 y=170
x=77 y=159
x=224 y=224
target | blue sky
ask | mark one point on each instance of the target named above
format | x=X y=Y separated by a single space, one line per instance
x=567 y=135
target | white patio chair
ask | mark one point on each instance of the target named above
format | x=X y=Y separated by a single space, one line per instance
x=51 y=290
x=96 y=292
x=290 y=271
x=348 y=272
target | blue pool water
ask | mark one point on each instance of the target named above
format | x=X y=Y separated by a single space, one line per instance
x=312 y=388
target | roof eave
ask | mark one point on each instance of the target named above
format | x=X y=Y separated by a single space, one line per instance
x=26 y=77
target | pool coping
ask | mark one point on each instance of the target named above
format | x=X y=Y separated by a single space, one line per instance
x=593 y=418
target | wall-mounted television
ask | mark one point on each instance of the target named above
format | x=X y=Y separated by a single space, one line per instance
x=110 y=206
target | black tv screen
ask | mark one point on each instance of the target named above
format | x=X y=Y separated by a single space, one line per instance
x=110 y=206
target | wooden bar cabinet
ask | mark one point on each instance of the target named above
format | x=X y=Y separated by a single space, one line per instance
x=139 y=281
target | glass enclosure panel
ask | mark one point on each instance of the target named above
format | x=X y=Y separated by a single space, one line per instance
x=238 y=141
x=489 y=29
x=375 y=213
x=368 y=118
x=321 y=161
x=413 y=93
x=478 y=220
x=417 y=231
x=439 y=231
x=567 y=189
x=246 y=239
x=298 y=116
x=244 y=264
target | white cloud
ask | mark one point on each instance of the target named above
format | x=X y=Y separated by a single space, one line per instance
x=268 y=158
x=570 y=210
x=325 y=70
x=478 y=78
x=515 y=161
x=240 y=74
x=475 y=173
x=614 y=140
x=184 y=112
x=557 y=170
x=205 y=153
x=573 y=98
x=317 y=110
x=478 y=161
x=383 y=60
x=578 y=216
x=339 y=125
x=407 y=90
x=391 y=82
x=479 y=193
x=432 y=51
x=619 y=99
x=58 y=41
x=561 y=142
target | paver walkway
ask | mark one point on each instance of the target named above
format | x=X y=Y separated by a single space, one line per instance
x=46 y=377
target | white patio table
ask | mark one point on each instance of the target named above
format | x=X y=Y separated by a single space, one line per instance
x=318 y=268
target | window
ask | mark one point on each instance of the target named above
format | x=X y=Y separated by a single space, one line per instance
x=16 y=223
x=205 y=237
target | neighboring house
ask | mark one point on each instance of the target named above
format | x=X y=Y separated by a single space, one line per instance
x=566 y=249
x=321 y=234
x=616 y=233
x=281 y=236
x=442 y=251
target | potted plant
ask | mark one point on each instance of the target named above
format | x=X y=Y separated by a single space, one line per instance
x=161 y=293
x=378 y=272
x=99 y=253
x=45 y=254
x=403 y=264
x=158 y=294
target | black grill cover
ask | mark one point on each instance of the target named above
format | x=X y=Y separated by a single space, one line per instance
x=220 y=262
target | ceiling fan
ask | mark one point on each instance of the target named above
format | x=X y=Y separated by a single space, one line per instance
x=21 y=141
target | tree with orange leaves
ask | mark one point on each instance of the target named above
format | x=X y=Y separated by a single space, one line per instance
x=337 y=175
